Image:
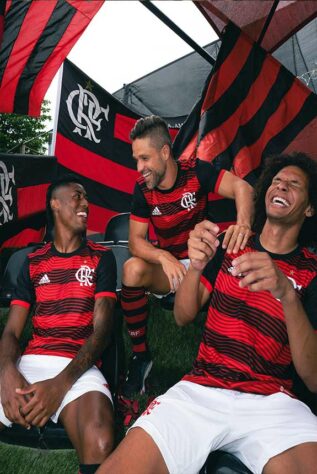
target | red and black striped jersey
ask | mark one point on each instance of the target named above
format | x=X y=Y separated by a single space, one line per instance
x=63 y=288
x=245 y=343
x=176 y=211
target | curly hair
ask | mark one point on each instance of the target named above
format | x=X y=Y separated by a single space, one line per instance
x=153 y=127
x=273 y=164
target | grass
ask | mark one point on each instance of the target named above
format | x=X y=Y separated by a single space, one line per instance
x=173 y=350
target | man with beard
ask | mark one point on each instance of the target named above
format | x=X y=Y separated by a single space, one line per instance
x=173 y=196
x=261 y=325
x=72 y=284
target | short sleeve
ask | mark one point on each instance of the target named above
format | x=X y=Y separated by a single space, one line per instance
x=208 y=176
x=139 y=208
x=24 y=293
x=106 y=282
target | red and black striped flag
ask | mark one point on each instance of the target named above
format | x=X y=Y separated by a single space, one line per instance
x=251 y=107
x=23 y=184
x=93 y=141
x=38 y=35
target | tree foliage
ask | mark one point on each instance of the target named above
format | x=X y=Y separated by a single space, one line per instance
x=24 y=134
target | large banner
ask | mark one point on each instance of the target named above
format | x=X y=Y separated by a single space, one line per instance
x=251 y=107
x=37 y=36
x=23 y=183
x=93 y=142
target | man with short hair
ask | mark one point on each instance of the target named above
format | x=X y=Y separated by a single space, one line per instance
x=261 y=327
x=71 y=282
x=173 y=196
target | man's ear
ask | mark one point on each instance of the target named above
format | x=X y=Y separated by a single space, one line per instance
x=166 y=151
x=310 y=211
x=54 y=204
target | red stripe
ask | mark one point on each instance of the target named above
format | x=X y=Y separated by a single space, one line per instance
x=249 y=158
x=145 y=220
x=74 y=30
x=218 y=139
x=31 y=199
x=93 y=166
x=24 y=304
x=37 y=16
x=222 y=80
x=98 y=218
x=123 y=126
x=25 y=237
x=106 y=294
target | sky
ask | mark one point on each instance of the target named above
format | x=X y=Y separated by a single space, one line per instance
x=126 y=41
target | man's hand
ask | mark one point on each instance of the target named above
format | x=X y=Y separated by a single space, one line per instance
x=46 y=397
x=13 y=403
x=202 y=244
x=258 y=272
x=236 y=238
x=173 y=269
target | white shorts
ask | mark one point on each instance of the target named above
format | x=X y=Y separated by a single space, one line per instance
x=185 y=262
x=42 y=367
x=190 y=420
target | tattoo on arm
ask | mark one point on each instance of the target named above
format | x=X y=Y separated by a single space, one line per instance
x=97 y=342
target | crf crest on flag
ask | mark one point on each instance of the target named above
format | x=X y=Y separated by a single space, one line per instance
x=251 y=107
x=24 y=180
x=93 y=141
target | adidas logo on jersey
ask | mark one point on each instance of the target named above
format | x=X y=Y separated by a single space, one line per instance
x=44 y=280
x=156 y=212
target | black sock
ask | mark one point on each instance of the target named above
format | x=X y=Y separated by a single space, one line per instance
x=88 y=468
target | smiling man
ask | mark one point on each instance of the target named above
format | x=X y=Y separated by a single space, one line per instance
x=173 y=197
x=72 y=284
x=261 y=327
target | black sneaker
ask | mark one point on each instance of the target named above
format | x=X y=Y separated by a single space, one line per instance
x=140 y=366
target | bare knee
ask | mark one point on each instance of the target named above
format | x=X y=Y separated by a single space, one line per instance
x=136 y=272
x=97 y=442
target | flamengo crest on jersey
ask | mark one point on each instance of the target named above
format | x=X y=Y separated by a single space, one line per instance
x=188 y=201
x=84 y=275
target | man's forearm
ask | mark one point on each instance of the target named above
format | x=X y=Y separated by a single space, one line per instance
x=141 y=248
x=9 y=351
x=243 y=195
x=91 y=351
x=187 y=299
x=302 y=340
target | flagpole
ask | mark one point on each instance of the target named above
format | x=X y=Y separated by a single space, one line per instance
x=58 y=101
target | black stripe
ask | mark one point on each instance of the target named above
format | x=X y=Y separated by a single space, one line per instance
x=219 y=371
x=259 y=320
x=222 y=210
x=307 y=113
x=54 y=31
x=11 y=229
x=12 y=26
x=245 y=354
x=101 y=195
x=67 y=305
x=230 y=101
x=72 y=332
x=2 y=7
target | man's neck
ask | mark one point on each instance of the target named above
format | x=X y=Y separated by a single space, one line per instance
x=170 y=176
x=67 y=243
x=278 y=239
